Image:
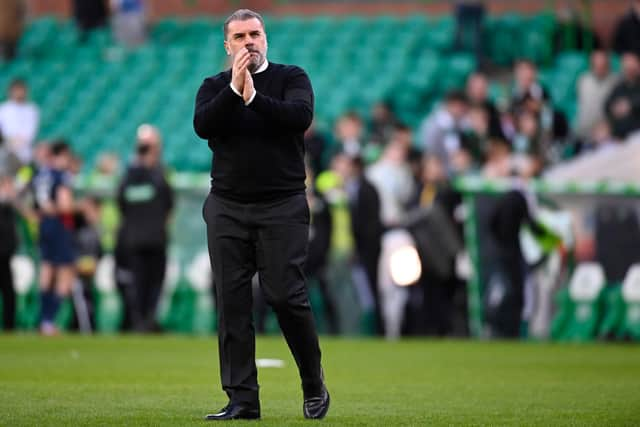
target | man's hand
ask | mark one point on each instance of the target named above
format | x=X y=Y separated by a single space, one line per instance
x=248 y=90
x=239 y=69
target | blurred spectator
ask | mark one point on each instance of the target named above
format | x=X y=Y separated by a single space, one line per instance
x=623 y=104
x=316 y=146
x=440 y=132
x=8 y=246
x=89 y=14
x=469 y=27
x=19 y=121
x=498 y=164
x=393 y=180
x=12 y=13
x=477 y=91
x=526 y=85
x=145 y=200
x=9 y=163
x=54 y=196
x=433 y=176
x=349 y=133
x=320 y=230
x=627 y=32
x=571 y=32
x=528 y=144
x=89 y=252
x=366 y=226
x=600 y=138
x=505 y=293
x=475 y=138
x=128 y=22
x=529 y=95
x=383 y=123
x=594 y=87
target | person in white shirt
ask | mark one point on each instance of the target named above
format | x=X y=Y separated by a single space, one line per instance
x=392 y=178
x=594 y=87
x=440 y=132
x=19 y=121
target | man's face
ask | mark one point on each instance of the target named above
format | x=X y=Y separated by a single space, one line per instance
x=18 y=93
x=62 y=161
x=630 y=66
x=477 y=88
x=247 y=34
x=525 y=74
x=600 y=63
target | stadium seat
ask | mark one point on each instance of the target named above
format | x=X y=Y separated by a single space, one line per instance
x=631 y=296
x=581 y=305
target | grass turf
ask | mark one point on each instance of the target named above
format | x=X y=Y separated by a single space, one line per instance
x=133 y=380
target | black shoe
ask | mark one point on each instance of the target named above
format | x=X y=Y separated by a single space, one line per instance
x=315 y=408
x=235 y=411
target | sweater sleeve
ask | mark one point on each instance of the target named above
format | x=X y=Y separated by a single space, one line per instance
x=214 y=103
x=295 y=111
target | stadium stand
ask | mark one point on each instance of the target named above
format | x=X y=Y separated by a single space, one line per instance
x=96 y=93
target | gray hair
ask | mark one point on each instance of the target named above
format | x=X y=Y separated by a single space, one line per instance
x=241 y=15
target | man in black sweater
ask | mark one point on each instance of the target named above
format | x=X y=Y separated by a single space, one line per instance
x=254 y=117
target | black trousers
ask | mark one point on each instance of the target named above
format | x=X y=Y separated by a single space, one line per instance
x=8 y=294
x=271 y=238
x=140 y=275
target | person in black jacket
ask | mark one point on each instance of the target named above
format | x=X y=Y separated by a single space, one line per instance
x=254 y=117
x=627 y=33
x=622 y=106
x=367 y=229
x=8 y=246
x=145 y=200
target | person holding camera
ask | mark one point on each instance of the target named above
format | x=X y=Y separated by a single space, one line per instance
x=145 y=200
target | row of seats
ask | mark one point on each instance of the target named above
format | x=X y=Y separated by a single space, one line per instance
x=589 y=308
x=95 y=93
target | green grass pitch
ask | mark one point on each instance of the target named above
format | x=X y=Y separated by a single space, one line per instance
x=151 y=381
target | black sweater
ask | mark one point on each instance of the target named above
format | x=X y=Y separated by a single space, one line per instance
x=258 y=149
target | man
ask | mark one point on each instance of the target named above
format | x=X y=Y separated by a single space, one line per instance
x=145 y=200
x=8 y=246
x=440 y=132
x=477 y=91
x=392 y=178
x=54 y=198
x=627 y=33
x=623 y=104
x=526 y=84
x=254 y=117
x=593 y=88
x=12 y=16
x=19 y=121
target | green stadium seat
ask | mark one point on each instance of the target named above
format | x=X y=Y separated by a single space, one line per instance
x=581 y=305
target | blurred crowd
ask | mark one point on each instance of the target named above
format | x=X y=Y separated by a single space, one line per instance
x=370 y=177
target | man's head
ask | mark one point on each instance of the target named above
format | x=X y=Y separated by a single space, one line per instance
x=477 y=87
x=244 y=28
x=631 y=66
x=349 y=126
x=600 y=63
x=60 y=155
x=456 y=104
x=148 y=145
x=18 y=90
x=526 y=73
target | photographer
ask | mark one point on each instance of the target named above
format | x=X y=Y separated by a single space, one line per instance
x=145 y=200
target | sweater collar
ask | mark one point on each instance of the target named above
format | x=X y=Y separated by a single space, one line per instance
x=263 y=67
